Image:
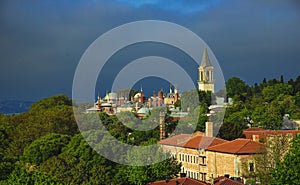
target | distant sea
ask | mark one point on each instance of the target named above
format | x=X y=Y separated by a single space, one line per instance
x=9 y=107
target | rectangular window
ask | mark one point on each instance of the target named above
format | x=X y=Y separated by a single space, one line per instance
x=251 y=167
x=202 y=160
x=203 y=176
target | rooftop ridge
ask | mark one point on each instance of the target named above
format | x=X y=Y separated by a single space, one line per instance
x=185 y=179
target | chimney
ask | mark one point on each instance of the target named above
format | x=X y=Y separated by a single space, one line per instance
x=162 y=125
x=255 y=138
x=141 y=98
x=227 y=175
x=154 y=99
x=176 y=95
x=161 y=94
x=182 y=175
x=209 y=131
x=149 y=102
x=99 y=103
x=167 y=179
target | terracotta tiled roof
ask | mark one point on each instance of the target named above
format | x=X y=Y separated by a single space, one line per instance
x=203 y=142
x=180 y=181
x=196 y=140
x=238 y=146
x=262 y=133
x=226 y=181
x=177 y=140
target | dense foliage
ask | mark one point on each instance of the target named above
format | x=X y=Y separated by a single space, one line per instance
x=260 y=105
x=44 y=146
x=287 y=171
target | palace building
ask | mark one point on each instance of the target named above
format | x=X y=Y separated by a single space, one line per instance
x=114 y=103
x=140 y=104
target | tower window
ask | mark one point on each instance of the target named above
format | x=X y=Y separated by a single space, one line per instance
x=207 y=76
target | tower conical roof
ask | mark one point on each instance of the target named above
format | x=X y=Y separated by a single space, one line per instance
x=205 y=59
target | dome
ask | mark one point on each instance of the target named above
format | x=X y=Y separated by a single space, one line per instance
x=106 y=105
x=143 y=110
x=137 y=95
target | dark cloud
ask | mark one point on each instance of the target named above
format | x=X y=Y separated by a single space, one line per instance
x=42 y=41
x=183 y=6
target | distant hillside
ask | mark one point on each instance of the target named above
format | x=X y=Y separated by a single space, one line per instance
x=14 y=106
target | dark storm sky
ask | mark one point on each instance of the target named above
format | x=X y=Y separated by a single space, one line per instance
x=42 y=41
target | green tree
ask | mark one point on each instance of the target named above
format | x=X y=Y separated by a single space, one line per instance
x=140 y=174
x=297 y=99
x=288 y=171
x=50 y=103
x=236 y=87
x=59 y=119
x=43 y=148
x=189 y=100
x=230 y=131
x=30 y=176
x=79 y=163
x=195 y=121
x=239 y=113
x=266 y=162
x=267 y=116
x=6 y=161
x=297 y=85
x=270 y=93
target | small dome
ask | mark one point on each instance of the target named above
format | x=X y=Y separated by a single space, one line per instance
x=106 y=105
x=137 y=95
x=143 y=110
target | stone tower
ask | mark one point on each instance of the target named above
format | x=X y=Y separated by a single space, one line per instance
x=141 y=98
x=206 y=74
x=162 y=126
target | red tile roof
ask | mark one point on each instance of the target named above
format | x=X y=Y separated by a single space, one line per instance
x=226 y=181
x=238 y=146
x=262 y=133
x=177 y=140
x=195 y=141
x=203 y=142
x=181 y=181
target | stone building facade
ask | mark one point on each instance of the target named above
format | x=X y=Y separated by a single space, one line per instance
x=232 y=157
x=205 y=157
x=190 y=151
